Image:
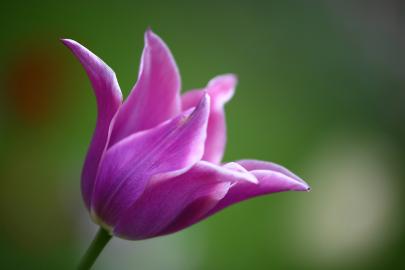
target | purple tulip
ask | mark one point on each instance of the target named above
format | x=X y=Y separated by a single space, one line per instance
x=154 y=162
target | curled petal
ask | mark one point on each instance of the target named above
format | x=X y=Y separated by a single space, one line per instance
x=271 y=178
x=155 y=97
x=109 y=98
x=164 y=151
x=221 y=90
x=172 y=205
x=251 y=165
x=164 y=202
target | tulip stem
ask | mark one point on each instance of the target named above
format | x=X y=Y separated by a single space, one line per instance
x=98 y=244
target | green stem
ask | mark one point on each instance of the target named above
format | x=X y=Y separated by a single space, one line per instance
x=95 y=249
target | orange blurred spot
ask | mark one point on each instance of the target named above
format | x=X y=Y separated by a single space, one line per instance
x=34 y=81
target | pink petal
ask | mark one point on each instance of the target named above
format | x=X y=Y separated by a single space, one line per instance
x=244 y=185
x=250 y=165
x=199 y=209
x=169 y=205
x=221 y=90
x=109 y=98
x=155 y=97
x=271 y=178
x=164 y=151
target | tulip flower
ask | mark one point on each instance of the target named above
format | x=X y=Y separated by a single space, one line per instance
x=154 y=165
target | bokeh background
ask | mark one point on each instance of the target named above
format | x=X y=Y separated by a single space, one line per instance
x=322 y=91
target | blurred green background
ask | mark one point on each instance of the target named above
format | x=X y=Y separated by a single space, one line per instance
x=321 y=91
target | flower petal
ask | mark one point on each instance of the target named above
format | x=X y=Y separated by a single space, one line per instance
x=155 y=97
x=168 y=206
x=109 y=99
x=251 y=164
x=221 y=90
x=271 y=178
x=164 y=151
x=244 y=185
x=199 y=209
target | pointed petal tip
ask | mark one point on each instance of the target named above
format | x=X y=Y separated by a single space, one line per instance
x=203 y=107
x=148 y=33
x=150 y=36
x=223 y=87
x=67 y=42
x=230 y=77
x=204 y=101
x=72 y=44
x=297 y=184
x=88 y=59
x=303 y=186
x=152 y=40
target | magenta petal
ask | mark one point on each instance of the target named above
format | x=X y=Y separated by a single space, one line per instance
x=250 y=165
x=109 y=98
x=155 y=97
x=221 y=90
x=271 y=178
x=180 y=202
x=170 y=205
x=164 y=151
